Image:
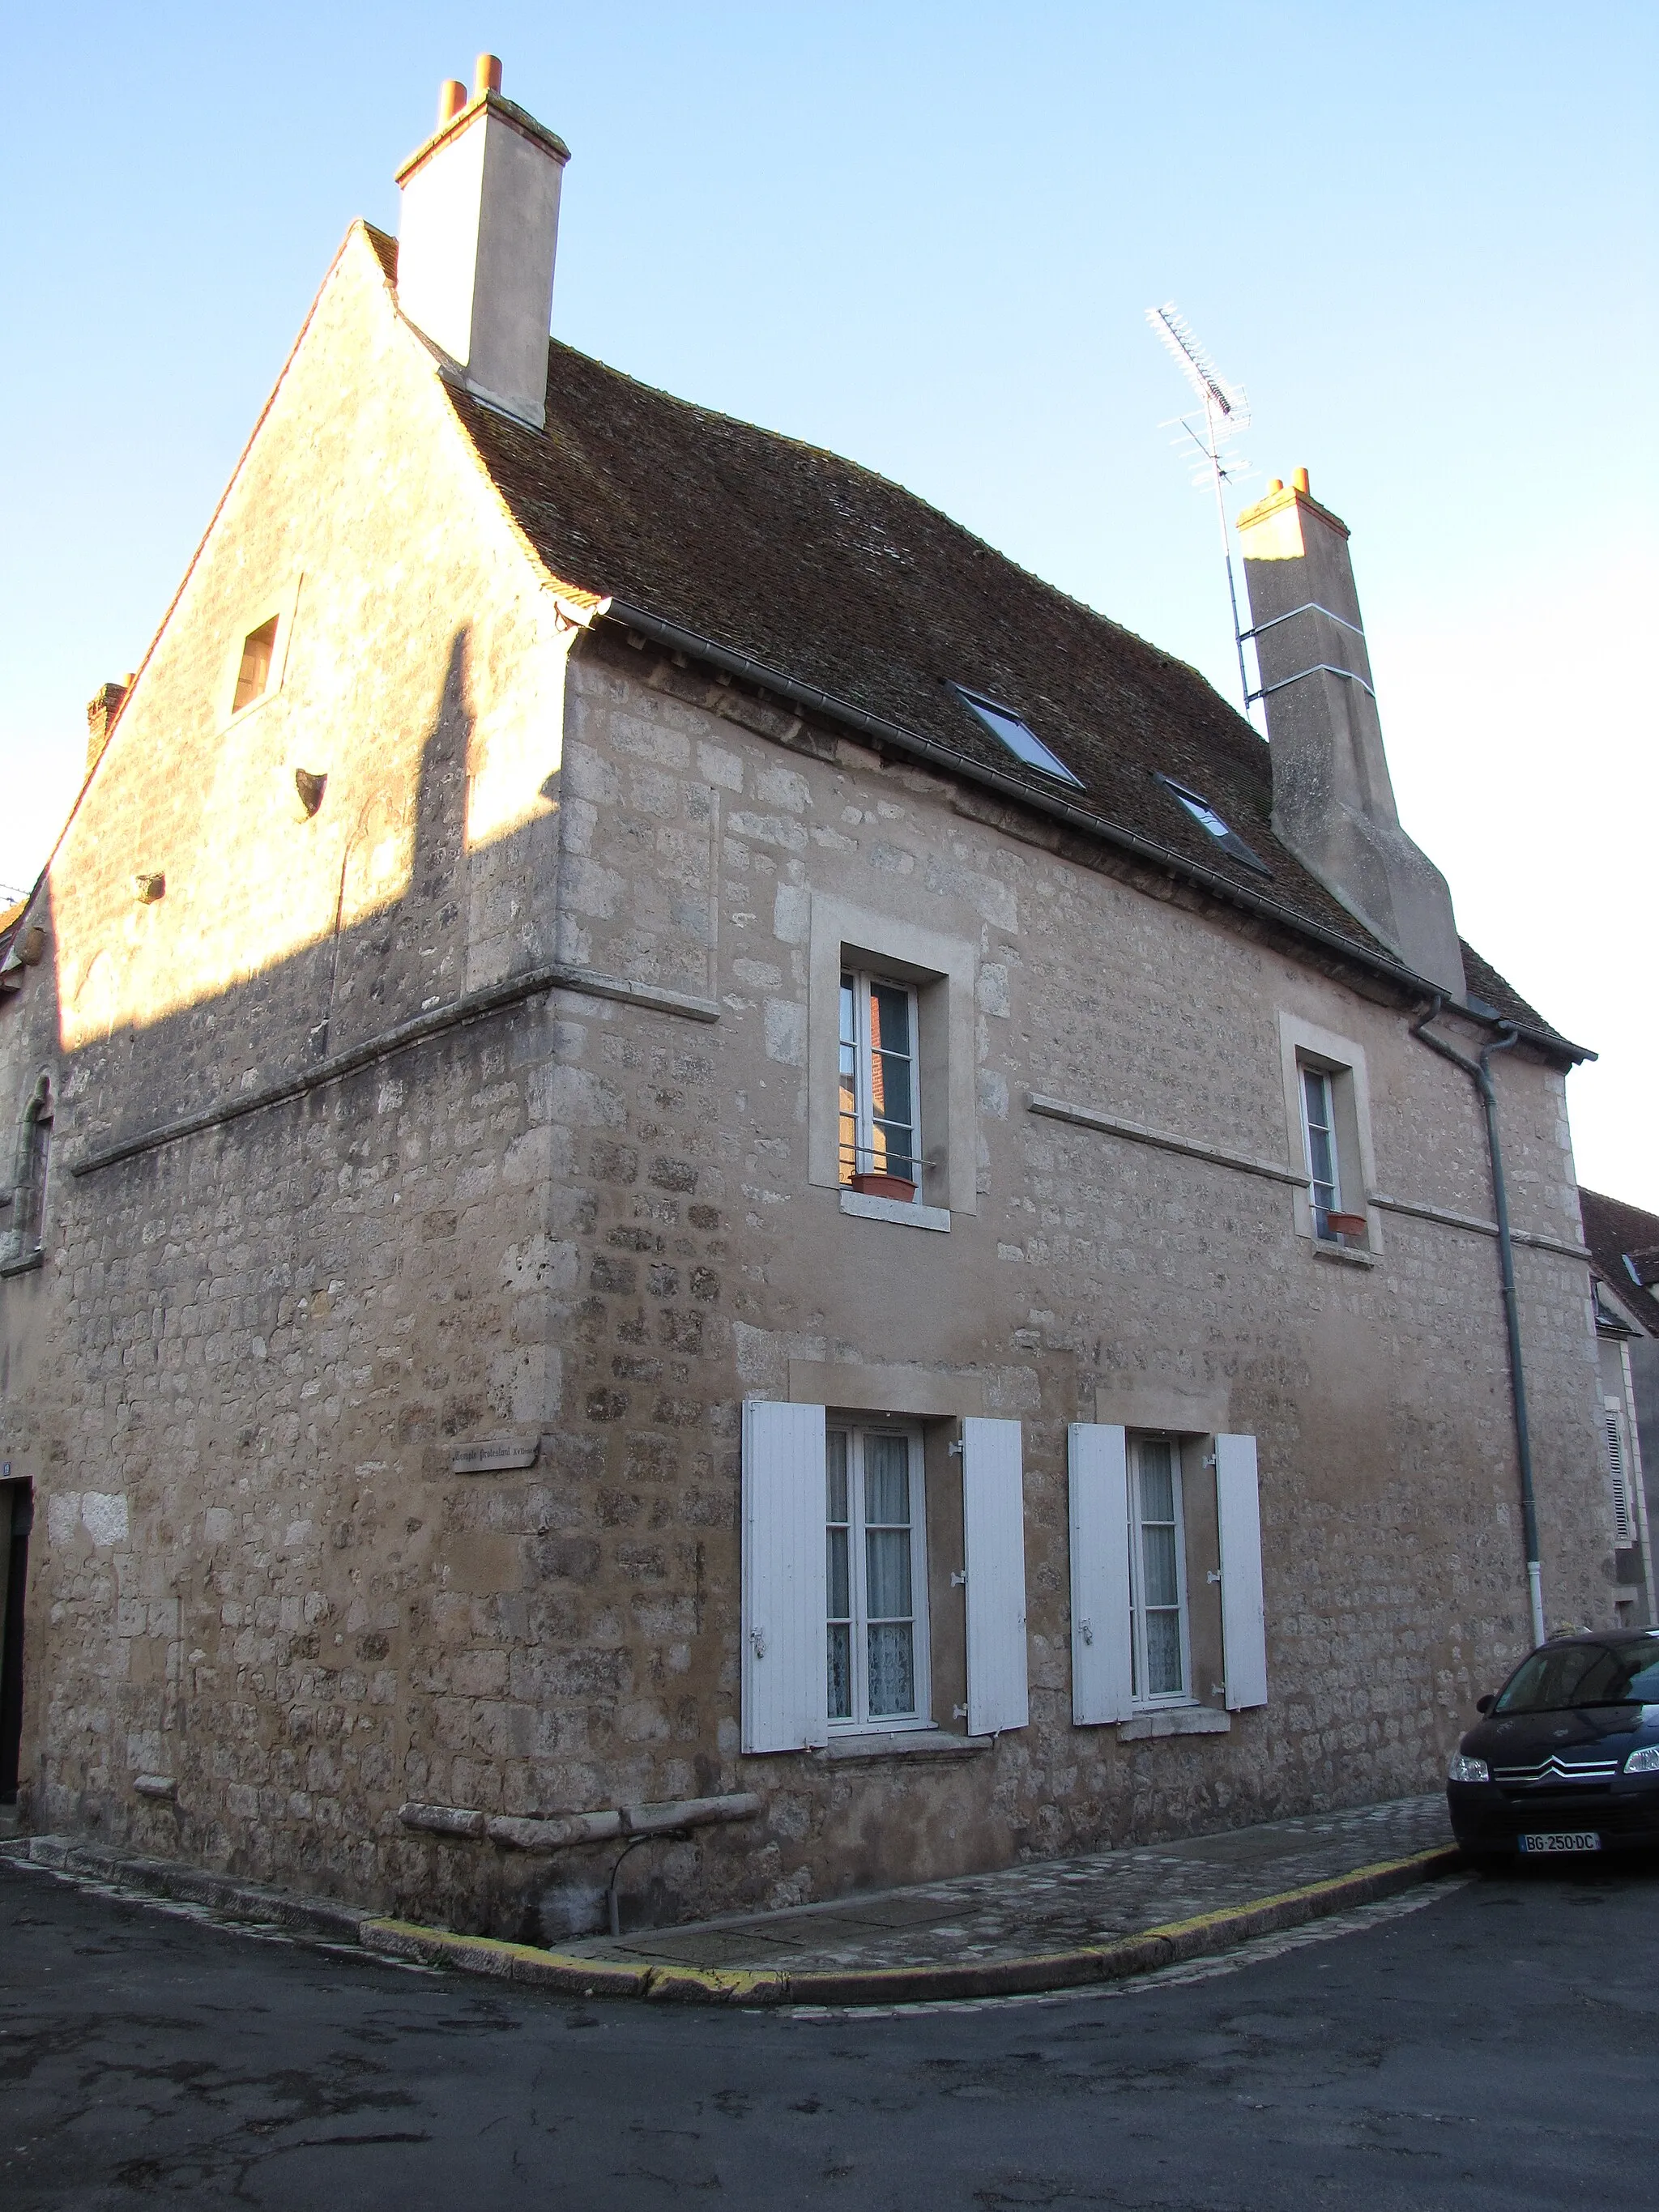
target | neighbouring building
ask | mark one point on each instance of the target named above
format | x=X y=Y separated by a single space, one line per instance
x=1624 y=1243
x=680 y=1141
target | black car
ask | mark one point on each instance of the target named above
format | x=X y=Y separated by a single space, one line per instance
x=1567 y=1757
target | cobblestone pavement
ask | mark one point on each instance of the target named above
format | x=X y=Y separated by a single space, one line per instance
x=1048 y=1905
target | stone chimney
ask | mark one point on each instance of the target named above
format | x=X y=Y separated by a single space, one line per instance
x=475 y=239
x=1332 y=799
x=102 y=709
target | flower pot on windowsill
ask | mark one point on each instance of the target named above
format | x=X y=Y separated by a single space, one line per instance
x=886 y=1186
x=1344 y=1224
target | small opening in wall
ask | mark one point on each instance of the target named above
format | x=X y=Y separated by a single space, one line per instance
x=254 y=677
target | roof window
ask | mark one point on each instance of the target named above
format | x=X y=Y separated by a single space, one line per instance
x=1206 y=817
x=1025 y=743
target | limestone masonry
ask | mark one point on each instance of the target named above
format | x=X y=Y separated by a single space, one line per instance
x=444 y=1135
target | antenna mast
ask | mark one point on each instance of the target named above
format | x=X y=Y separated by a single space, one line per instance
x=1226 y=413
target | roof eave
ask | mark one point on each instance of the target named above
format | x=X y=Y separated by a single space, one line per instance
x=677 y=639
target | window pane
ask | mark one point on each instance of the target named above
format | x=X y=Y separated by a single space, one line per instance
x=1158 y=1551
x=849 y=1015
x=839 y=1605
x=841 y=1672
x=1163 y=1654
x=887 y=1554
x=892 y=1670
x=835 y=1454
x=887 y=1482
x=1157 y=1480
x=890 y=1018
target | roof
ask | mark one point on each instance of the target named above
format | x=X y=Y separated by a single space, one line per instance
x=1611 y=1230
x=813 y=567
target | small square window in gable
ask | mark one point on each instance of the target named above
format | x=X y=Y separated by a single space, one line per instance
x=254 y=677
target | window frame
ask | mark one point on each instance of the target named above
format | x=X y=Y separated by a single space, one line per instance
x=860 y=1720
x=279 y=609
x=865 y=981
x=1141 y=1698
x=1312 y=1074
x=1304 y=1046
x=990 y=713
x=33 y=1173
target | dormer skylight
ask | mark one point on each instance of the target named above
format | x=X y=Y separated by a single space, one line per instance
x=1025 y=743
x=1206 y=817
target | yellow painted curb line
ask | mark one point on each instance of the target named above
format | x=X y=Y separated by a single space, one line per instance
x=1175 y=1940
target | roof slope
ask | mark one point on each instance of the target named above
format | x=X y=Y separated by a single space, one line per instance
x=830 y=574
x=1611 y=1229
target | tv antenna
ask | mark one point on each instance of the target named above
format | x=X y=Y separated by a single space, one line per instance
x=1206 y=436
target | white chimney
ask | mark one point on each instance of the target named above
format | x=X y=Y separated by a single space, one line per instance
x=475 y=239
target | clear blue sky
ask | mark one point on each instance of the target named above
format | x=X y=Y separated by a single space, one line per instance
x=924 y=235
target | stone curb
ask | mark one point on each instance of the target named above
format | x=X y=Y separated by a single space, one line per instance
x=568 y=1974
x=218 y=1893
x=571 y=1975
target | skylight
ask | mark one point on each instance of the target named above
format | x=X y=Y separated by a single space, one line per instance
x=1024 y=745
x=1206 y=817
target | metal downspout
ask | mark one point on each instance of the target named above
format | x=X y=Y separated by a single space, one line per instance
x=1481 y=1072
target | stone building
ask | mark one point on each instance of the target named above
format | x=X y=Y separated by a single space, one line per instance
x=1624 y=1243
x=681 y=1141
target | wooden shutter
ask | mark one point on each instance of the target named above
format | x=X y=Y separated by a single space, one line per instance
x=994 y=1539
x=1244 y=1625
x=786 y=1697
x=1103 y=1660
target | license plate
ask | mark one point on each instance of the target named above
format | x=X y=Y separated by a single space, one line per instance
x=1565 y=1839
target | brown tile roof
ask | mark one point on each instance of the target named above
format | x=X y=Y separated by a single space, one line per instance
x=830 y=576
x=1611 y=1230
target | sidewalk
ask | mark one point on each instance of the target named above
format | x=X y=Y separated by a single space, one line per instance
x=1053 y=1923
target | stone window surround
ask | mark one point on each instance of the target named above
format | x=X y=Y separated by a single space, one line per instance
x=1303 y=1043
x=281 y=606
x=943 y=971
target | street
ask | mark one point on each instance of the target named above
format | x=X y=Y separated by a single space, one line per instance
x=1487 y=2045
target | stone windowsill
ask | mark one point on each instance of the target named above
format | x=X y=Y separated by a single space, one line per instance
x=906 y=1743
x=893 y=1209
x=1352 y=1255
x=23 y=1263
x=1174 y=1720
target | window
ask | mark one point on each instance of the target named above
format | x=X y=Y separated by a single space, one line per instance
x=254 y=677
x=1157 y=1572
x=880 y=1141
x=1623 y=1516
x=1319 y=1126
x=1206 y=817
x=875 y=1580
x=32 y=1169
x=1025 y=743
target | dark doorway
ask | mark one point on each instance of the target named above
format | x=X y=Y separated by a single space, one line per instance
x=16 y=1519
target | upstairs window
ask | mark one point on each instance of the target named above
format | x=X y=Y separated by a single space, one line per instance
x=1319 y=1126
x=880 y=1133
x=1023 y=743
x=34 y=1154
x=254 y=677
x=1207 y=818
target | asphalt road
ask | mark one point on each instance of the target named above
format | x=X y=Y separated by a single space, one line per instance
x=1493 y=2050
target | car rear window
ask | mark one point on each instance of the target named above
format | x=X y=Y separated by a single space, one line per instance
x=1583 y=1674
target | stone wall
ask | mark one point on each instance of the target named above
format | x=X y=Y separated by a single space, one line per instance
x=241 y=1376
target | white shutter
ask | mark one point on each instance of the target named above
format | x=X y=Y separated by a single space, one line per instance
x=1624 y=1517
x=785 y=1694
x=993 y=1540
x=1243 y=1625
x=1103 y=1659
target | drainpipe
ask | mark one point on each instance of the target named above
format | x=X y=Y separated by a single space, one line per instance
x=1481 y=1071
